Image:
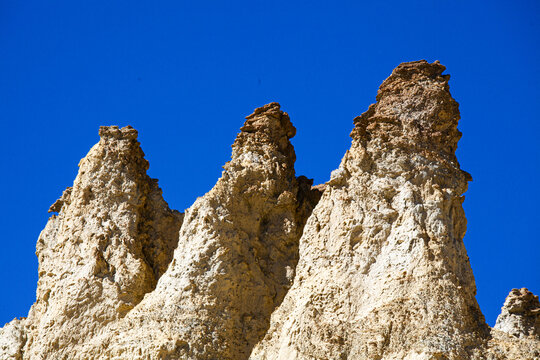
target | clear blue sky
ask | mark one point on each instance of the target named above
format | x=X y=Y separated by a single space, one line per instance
x=186 y=73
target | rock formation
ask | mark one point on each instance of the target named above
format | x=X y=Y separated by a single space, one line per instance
x=262 y=266
x=12 y=339
x=112 y=239
x=235 y=259
x=383 y=272
x=516 y=333
x=520 y=314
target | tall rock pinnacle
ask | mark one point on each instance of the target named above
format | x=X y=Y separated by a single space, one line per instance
x=235 y=260
x=370 y=265
x=383 y=272
x=112 y=239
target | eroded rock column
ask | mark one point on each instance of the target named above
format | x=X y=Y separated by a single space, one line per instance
x=383 y=272
x=112 y=239
x=235 y=260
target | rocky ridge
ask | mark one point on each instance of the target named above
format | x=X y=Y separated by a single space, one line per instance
x=262 y=266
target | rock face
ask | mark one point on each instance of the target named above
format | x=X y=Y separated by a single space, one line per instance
x=516 y=334
x=262 y=266
x=520 y=314
x=383 y=272
x=12 y=339
x=236 y=256
x=112 y=239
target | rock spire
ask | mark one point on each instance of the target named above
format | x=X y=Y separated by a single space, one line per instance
x=112 y=239
x=235 y=260
x=383 y=272
x=265 y=266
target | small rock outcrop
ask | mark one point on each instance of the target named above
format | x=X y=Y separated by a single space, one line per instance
x=12 y=340
x=520 y=315
x=266 y=266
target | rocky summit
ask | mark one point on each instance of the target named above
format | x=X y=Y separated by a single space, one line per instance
x=266 y=266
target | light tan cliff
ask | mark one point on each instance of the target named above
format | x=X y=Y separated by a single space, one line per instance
x=12 y=339
x=516 y=334
x=262 y=266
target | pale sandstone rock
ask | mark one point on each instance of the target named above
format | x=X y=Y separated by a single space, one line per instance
x=381 y=270
x=520 y=315
x=113 y=237
x=12 y=340
x=503 y=346
x=235 y=260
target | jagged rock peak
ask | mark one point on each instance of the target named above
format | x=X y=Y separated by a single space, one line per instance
x=520 y=315
x=237 y=251
x=114 y=132
x=260 y=120
x=407 y=70
x=113 y=237
x=383 y=272
x=415 y=111
x=269 y=126
x=376 y=269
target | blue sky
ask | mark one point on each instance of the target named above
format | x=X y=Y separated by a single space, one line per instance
x=186 y=73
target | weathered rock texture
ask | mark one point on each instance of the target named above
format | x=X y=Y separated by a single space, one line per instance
x=235 y=259
x=383 y=272
x=12 y=339
x=378 y=268
x=112 y=239
x=520 y=314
